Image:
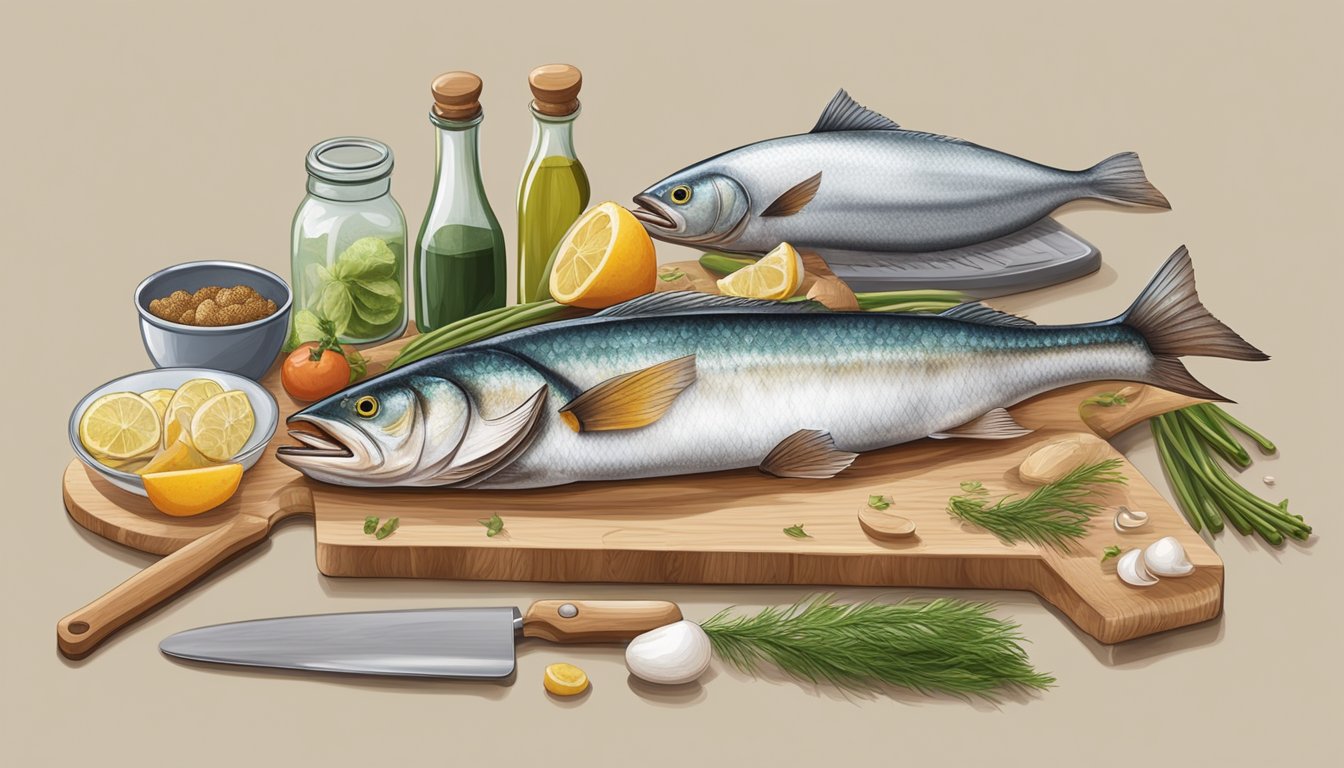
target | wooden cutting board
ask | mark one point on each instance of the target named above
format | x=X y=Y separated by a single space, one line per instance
x=722 y=528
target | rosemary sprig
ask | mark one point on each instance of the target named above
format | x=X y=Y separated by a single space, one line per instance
x=935 y=646
x=1054 y=514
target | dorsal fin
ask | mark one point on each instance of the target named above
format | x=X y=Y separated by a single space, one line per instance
x=690 y=302
x=983 y=314
x=846 y=114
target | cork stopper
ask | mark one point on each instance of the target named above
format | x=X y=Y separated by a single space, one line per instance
x=457 y=95
x=555 y=89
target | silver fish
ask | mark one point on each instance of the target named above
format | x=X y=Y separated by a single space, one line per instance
x=859 y=186
x=678 y=383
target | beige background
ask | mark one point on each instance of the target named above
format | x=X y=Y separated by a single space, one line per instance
x=137 y=137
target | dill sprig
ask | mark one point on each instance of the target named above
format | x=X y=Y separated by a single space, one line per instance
x=936 y=646
x=1054 y=514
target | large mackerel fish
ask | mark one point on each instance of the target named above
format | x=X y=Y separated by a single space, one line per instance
x=677 y=383
x=858 y=186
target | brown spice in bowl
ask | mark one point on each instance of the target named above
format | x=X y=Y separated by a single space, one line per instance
x=213 y=306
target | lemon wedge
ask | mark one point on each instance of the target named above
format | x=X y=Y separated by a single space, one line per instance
x=119 y=426
x=778 y=275
x=192 y=491
x=189 y=396
x=178 y=456
x=605 y=258
x=221 y=425
x=565 y=680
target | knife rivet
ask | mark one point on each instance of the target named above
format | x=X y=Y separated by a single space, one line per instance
x=568 y=611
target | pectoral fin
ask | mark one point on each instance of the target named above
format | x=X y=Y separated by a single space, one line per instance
x=996 y=424
x=631 y=400
x=807 y=453
x=795 y=199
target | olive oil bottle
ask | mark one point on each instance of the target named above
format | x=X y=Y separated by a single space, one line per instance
x=459 y=255
x=554 y=187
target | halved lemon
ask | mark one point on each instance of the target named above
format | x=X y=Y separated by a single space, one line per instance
x=192 y=491
x=778 y=275
x=222 y=425
x=189 y=396
x=119 y=426
x=605 y=258
x=565 y=680
x=159 y=399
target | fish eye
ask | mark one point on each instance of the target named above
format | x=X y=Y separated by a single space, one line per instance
x=367 y=406
x=680 y=194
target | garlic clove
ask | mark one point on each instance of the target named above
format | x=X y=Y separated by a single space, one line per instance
x=670 y=655
x=1130 y=569
x=1166 y=557
x=1127 y=519
x=1054 y=459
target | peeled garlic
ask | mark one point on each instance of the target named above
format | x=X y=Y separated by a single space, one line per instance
x=1166 y=557
x=670 y=655
x=1127 y=519
x=1054 y=459
x=1131 y=571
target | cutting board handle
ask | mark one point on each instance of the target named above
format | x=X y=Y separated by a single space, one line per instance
x=596 y=621
x=82 y=631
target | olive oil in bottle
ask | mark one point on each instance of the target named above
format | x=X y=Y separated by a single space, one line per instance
x=459 y=255
x=554 y=187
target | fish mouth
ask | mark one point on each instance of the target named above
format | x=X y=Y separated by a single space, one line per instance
x=652 y=213
x=318 y=442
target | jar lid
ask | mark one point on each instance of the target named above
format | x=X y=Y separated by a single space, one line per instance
x=349 y=160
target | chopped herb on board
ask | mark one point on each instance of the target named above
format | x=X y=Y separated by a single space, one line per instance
x=1109 y=552
x=1055 y=514
x=668 y=277
x=370 y=523
x=797 y=532
x=392 y=524
x=492 y=526
x=878 y=502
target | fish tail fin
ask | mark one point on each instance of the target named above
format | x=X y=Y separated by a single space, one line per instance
x=1173 y=322
x=1120 y=178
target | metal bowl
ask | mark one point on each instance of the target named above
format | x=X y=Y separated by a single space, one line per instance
x=248 y=349
x=263 y=406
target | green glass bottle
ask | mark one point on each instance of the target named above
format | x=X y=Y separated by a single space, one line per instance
x=554 y=188
x=459 y=254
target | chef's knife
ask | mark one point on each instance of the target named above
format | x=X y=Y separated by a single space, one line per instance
x=463 y=643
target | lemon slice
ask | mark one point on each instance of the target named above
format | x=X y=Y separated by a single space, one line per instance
x=189 y=396
x=778 y=275
x=119 y=426
x=605 y=258
x=192 y=491
x=565 y=680
x=159 y=399
x=222 y=425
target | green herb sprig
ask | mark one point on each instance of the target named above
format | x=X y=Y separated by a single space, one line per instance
x=1054 y=514
x=797 y=532
x=936 y=646
x=878 y=502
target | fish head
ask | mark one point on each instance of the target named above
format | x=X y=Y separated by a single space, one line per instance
x=389 y=430
x=697 y=207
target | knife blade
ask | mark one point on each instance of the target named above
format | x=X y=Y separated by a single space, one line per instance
x=454 y=643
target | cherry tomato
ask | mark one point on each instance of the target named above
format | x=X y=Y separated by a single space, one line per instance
x=309 y=379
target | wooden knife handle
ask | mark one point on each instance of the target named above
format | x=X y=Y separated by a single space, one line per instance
x=596 y=621
x=82 y=631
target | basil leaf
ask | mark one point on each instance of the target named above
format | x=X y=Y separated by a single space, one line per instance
x=797 y=532
x=370 y=524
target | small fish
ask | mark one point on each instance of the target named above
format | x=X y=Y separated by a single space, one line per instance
x=680 y=382
x=859 y=186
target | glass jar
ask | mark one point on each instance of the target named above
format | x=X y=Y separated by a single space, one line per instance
x=348 y=246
